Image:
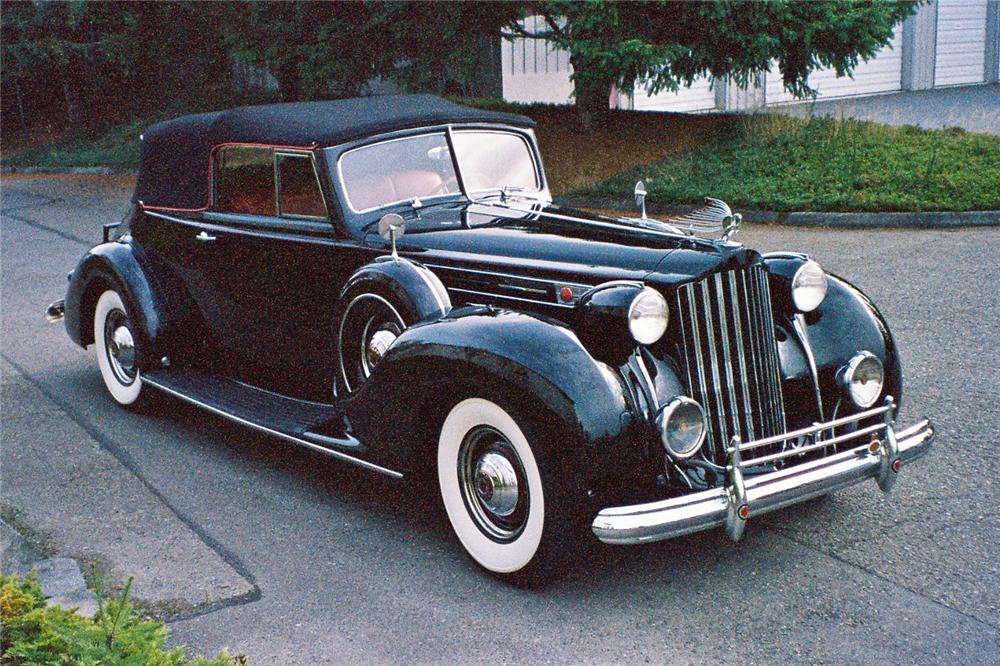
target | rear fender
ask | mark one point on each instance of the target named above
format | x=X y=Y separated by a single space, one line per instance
x=118 y=266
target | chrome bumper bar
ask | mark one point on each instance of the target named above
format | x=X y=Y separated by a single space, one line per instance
x=730 y=506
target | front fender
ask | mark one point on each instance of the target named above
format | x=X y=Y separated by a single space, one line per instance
x=578 y=405
x=846 y=322
x=117 y=265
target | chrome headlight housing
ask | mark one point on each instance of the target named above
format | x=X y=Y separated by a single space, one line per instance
x=809 y=286
x=648 y=316
x=683 y=426
x=862 y=379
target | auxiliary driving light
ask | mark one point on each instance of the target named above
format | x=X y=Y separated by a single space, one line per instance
x=862 y=379
x=682 y=426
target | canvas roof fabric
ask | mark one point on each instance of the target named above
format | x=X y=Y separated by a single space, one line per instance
x=175 y=162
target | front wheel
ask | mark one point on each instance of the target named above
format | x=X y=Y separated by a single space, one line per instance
x=494 y=492
x=115 y=346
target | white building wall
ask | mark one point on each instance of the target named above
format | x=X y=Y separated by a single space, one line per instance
x=945 y=44
x=883 y=73
x=699 y=97
x=534 y=71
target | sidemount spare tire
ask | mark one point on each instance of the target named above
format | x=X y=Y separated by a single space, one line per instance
x=378 y=302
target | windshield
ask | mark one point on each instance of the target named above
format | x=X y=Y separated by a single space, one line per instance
x=423 y=167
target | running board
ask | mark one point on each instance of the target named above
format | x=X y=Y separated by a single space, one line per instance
x=280 y=416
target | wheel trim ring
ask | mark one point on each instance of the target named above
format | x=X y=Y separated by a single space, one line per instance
x=497 y=527
x=343 y=322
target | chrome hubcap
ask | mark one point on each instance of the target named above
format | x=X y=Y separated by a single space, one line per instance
x=493 y=483
x=378 y=345
x=120 y=346
x=496 y=484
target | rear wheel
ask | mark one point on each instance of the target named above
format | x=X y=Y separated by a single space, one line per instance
x=505 y=512
x=115 y=347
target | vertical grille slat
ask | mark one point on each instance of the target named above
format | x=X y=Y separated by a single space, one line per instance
x=730 y=355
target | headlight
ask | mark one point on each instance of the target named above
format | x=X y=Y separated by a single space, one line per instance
x=862 y=379
x=809 y=286
x=682 y=427
x=648 y=316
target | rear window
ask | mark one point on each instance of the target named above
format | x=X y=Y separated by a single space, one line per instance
x=255 y=180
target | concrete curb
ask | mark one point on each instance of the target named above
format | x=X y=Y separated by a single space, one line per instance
x=914 y=220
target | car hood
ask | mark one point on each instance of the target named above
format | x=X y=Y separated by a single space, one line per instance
x=546 y=240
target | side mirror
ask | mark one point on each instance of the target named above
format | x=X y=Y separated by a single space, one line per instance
x=640 y=197
x=391 y=227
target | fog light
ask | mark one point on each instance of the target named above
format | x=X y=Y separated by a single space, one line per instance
x=862 y=379
x=682 y=426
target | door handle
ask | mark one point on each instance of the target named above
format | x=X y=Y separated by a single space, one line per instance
x=204 y=237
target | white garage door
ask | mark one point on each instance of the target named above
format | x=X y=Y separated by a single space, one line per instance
x=883 y=73
x=961 y=42
x=699 y=97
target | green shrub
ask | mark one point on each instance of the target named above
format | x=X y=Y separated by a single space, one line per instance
x=33 y=633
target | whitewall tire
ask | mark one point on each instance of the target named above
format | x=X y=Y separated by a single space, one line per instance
x=491 y=486
x=114 y=345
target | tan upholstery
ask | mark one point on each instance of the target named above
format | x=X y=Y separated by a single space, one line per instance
x=397 y=186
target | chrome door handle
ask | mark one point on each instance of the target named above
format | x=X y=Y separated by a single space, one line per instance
x=204 y=237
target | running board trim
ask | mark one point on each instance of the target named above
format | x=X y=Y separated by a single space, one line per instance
x=275 y=433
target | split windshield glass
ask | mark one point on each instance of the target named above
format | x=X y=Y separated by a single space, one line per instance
x=423 y=167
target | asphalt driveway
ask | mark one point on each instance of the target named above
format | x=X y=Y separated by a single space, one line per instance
x=293 y=558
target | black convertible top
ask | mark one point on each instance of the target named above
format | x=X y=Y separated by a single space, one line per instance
x=174 y=168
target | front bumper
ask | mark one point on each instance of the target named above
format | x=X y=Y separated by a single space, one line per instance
x=731 y=505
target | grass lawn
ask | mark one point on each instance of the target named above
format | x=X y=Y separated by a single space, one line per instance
x=766 y=162
x=772 y=162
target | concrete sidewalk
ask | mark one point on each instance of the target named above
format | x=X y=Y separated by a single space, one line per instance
x=973 y=108
x=83 y=501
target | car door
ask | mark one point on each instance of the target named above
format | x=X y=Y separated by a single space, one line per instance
x=273 y=270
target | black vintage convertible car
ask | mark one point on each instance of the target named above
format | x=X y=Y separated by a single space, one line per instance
x=386 y=281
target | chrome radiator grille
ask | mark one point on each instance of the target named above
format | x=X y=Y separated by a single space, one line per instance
x=731 y=356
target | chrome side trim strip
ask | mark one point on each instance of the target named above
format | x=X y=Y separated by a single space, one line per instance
x=508 y=275
x=275 y=433
x=513 y=298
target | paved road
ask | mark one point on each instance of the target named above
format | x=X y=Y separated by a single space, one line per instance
x=299 y=560
x=974 y=108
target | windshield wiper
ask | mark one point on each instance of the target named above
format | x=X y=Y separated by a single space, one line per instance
x=504 y=193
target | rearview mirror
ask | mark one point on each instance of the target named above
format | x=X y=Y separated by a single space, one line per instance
x=391 y=227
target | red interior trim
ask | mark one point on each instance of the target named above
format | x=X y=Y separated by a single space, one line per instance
x=211 y=165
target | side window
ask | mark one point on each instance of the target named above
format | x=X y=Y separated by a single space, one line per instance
x=298 y=187
x=244 y=180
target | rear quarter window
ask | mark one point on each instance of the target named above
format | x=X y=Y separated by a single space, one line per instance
x=244 y=180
